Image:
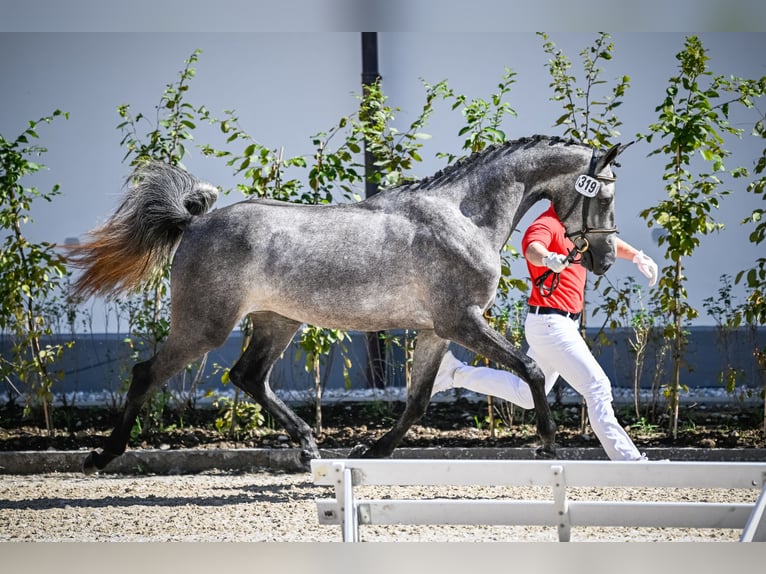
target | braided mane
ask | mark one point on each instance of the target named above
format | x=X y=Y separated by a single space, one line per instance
x=510 y=146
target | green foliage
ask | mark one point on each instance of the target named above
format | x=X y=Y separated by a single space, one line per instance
x=625 y=305
x=263 y=169
x=516 y=313
x=394 y=152
x=237 y=417
x=30 y=273
x=331 y=169
x=317 y=343
x=332 y=173
x=725 y=312
x=173 y=125
x=693 y=118
x=618 y=302
x=722 y=307
x=588 y=117
x=753 y=311
x=644 y=426
x=391 y=342
x=483 y=118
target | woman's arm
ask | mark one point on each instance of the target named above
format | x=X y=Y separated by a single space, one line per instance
x=625 y=250
x=645 y=264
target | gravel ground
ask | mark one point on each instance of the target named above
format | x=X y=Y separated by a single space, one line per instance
x=271 y=507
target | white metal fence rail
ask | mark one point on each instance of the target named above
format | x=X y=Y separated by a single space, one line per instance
x=560 y=511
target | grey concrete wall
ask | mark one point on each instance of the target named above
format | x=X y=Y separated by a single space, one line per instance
x=103 y=362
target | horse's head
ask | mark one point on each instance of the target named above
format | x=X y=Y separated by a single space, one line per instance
x=589 y=219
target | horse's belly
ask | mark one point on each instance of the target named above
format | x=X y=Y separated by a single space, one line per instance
x=367 y=313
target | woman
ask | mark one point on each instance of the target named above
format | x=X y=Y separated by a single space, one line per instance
x=553 y=336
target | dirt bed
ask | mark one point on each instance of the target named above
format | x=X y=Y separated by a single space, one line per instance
x=270 y=507
x=459 y=423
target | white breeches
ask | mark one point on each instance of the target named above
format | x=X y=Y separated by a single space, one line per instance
x=558 y=348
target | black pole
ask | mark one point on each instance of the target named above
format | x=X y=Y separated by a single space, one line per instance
x=370 y=75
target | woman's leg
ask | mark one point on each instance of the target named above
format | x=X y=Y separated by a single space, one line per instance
x=556 y=340
x=487 y=381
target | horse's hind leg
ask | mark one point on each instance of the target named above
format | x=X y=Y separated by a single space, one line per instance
x=474 y=333
x=429 y=350
x=272 y=334
x=178 y=351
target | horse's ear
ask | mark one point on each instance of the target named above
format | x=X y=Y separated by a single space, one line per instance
x=611 y=156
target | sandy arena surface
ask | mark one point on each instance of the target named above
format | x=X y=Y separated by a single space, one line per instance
x=274 y=507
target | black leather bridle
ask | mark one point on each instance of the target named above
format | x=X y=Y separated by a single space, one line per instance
x=581 y=242
x=579 y=239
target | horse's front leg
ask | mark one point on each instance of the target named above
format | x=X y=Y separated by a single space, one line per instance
x=473 y=332
x=429 y=350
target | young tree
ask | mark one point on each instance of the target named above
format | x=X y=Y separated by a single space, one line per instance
x=693 y=123
x=590 y=115
x=30 y=273
x=753 y=311
x=483 y=118
x=165 y=140
x=483 y=123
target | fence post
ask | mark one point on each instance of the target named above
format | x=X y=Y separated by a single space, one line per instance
x=560 y=502
x=755 y=528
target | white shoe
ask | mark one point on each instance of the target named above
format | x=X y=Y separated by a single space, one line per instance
x=444 y=377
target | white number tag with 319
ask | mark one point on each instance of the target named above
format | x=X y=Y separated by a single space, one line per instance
x=587 y=185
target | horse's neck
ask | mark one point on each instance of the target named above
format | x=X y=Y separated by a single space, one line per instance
x=492 y=207
x=499 y=192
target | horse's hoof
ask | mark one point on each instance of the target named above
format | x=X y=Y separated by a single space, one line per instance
x=547 y=453
x=359 y=451
x=306 y=456
x=89 y=464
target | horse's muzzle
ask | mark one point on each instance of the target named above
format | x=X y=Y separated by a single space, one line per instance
x=591 y=265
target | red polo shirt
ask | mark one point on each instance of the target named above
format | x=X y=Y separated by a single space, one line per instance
x=568 y=296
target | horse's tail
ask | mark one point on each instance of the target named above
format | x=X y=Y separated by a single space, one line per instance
x=141 y=235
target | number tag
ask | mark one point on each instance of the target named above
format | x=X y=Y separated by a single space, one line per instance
x=587 y=185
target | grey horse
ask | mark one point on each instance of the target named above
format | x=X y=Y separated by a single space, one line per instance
x=423 y=256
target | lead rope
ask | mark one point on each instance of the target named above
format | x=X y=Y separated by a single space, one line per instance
x=547 y=291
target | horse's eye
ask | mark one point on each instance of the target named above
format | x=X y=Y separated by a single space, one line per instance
x=604 y=202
